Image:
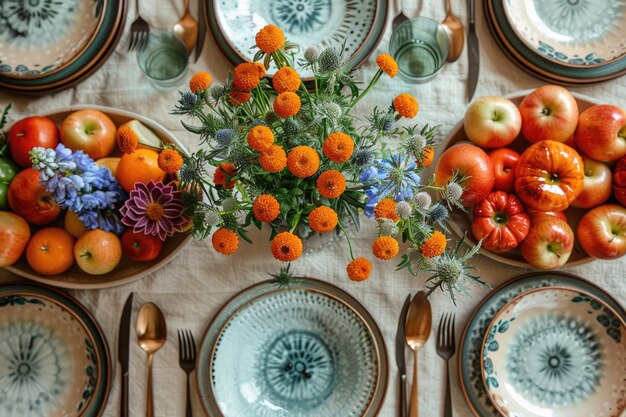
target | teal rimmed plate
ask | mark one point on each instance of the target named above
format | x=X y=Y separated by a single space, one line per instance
x=54 y=358
x=356 y=26
x=306 y=350
x=470 y=347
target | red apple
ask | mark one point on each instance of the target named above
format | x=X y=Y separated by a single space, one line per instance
x=601 y=132
x=504 y=163
x=139 y=247
x=29 y=133
x=602 y=232
x=549 y=243
x=535 y=215
x=91 y=131
x=98 y=252
x=470 y=164
x=30 y=200
x=492 y=122
x=619 y=181
x=14 y=235
x=549 y=113
x=597 y=184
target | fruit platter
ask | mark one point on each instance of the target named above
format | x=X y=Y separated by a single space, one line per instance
x=544 y=173
x=43 y=237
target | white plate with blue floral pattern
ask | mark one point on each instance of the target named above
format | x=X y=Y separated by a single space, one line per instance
x=39 y=37
x=578 y=33
x=556 y=352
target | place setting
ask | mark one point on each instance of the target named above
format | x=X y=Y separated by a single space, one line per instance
x=314 y=195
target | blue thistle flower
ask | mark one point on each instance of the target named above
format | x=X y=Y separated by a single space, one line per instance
x=224 y=137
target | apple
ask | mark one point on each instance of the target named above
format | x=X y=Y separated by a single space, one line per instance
x=602 y=231
x=504 y=163
x=549 y=113
x=535 y=215
x=619 y=181
x=597 y=184
x=30 y=133
x=492 y=122
x=601 y=132
x=73 y=224
x=549 y=243
x=30 y=200
x=98 y=252
x=472 y=166
x=139 y=247
x=91 y=131
x=14 y=235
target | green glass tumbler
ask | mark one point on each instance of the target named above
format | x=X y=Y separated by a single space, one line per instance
x=420 y=47
x=163 y=58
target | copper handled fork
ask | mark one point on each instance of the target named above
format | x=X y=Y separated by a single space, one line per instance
x=445 y=349
x=187 y=359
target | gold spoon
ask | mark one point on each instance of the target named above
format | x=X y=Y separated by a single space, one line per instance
x=418 y=323
x=151 y=335
x=187 y=29
x=456 y=33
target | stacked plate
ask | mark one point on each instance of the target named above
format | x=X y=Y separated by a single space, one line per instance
x=562 y=41
x=353 y=26
x=308 y=350
x=50 y=46
x=54 y=358
x=545 y=344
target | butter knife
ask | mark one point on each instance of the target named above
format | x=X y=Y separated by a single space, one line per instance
x=201 y=28
x=472 y=50
x=123 y=344
x=400 y=355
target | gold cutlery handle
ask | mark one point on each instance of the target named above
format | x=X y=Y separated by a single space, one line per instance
x=150 y=403
x=413 y=409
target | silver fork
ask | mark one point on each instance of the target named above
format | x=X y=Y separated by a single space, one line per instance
x=401 y=17
x=138 y=30
x=446 y=349
x=187 y=359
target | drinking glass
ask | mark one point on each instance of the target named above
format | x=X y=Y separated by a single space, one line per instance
x=420 y=47
x=163 y=58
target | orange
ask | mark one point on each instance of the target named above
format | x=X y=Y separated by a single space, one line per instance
x=109 y=162
x=73 y=224
x=139 y=166
x=50 y=251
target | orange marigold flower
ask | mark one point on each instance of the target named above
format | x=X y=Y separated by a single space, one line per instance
x=386 y=209
x=406 y=105
x=286 y=247
x=127 y=139
x=270 y=39
x=331 y=183
x=201 y=81
x=427 y=157
x=323 y=219
x=170 y=161
x=225 y=241
x=260 y=69
x=287 y=104
x=338 y=147
x=435 y=245
x=260 y=138
x=274 y=159
x=359 y=269
x=221 y=172
x=265 y=208
x=303 y=161
x=385 y=247
x=387 y=64
x=286 y=79
x=237 y=98
x=246 y=76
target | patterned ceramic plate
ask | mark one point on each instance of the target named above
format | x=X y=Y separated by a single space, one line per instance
x=306 y=350
x=470 y=358
x=574 y=33
x=54 y=360
x=355 y=25
x=558 y=352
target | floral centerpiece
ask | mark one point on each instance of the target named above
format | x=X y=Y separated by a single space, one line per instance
x=293 y=157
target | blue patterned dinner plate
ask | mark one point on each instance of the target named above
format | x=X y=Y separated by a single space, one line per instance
x=556 y=351
x=306 y=350
x=470 y=358
x=54 y=359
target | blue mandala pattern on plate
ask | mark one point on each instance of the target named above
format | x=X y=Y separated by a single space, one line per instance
x=549 y=51
x=300 y=16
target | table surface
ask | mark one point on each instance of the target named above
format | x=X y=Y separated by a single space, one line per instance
x=193 y=286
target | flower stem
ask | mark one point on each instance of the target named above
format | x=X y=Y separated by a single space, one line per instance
x=347 y=238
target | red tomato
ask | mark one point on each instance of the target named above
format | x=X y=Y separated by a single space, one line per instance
x=29 y=133
x=504 y=163
x=501 y=221
x=14 y=235
x=619 y=181
x=139 y=247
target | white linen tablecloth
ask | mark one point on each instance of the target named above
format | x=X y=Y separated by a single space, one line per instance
x=192 y=287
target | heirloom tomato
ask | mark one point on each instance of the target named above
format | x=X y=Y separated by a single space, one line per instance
x=619 y=181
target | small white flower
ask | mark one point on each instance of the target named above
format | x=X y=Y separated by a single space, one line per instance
x=229 y=204
x=422 y=200
x=212 y=218
x=404 y=210
x=311 y=54
x=387 y=227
